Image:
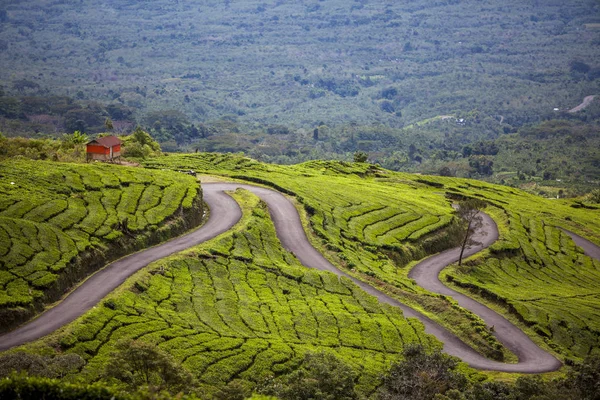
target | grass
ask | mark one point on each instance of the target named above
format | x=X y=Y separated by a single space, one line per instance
x=241 y=307
x=60 y=221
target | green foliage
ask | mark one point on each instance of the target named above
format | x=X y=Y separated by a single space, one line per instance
x=24 y=387
x=42 y=149
x=334 y=82
x=580 y=383
x=142 y=364
x=360 y=156
x=76 y=138
x=28 y=388
x=301 y=70
x=57 y=219
x=320 y=376
x=594 y=196
x=371 y=219
x=40 y=365
x=586 y=377
x=420 y=376
x=557 y=154
x=140 y=144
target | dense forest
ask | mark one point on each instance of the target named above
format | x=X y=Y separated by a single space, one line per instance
x=304 y=62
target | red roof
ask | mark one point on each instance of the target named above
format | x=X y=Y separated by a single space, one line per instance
x=107 y=141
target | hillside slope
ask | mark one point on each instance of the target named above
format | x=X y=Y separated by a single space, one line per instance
x=362 y=214
x=61 y=222
x=240 y=307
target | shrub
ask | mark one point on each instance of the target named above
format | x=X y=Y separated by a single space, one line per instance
x=138 y=363
x=421 y=375
x=321 y=376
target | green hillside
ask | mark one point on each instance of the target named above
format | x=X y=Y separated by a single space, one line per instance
x=375 y=222
x=239 y=313
x=60 y=222
x=240 y=307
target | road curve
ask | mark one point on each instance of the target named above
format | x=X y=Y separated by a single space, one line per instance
x=225 y=213
x=589 y=248
x=426 y=275
x=586 y=102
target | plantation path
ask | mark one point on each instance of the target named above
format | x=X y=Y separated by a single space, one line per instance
x=586 y=102
x=222 y=217
x=426 y=275
x=225 y=213
x=589 y=248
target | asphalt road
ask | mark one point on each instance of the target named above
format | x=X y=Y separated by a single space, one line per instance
x=531 y=357
x=225 y=212
x=589 y=248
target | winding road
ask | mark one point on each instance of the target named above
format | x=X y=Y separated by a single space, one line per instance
x=225 y=213
x=586 y=102
x=589 y=248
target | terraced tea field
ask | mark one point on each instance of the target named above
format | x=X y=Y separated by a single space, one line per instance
x=349 y=213
x=60 y=222
x=540 y=276
x=241 y=307
x=376 y=222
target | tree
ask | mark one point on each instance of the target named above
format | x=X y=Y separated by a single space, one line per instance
x=109 y=124
x=140 y=144
x=579 y=66
x=586 y=378
x=469 y=211
x=594 y=196
x=321 y=376
x=234 y=390
x=422 y=376
x=481 y=164
x=138 y=363
x=40 y=365
x=74 y=139
x=360 y=156
x=387 y=106
x=445 y=171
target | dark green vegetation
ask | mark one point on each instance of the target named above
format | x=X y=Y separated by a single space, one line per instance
x=375 y=222
x=38 y=116
x=71 y=147
x=320 y=376
x=59 y=222
x=547 y=154
x=419 y=375
x=555 y=158
x=238 y=308
x=411 y=83
x=426 y=376
x=304 y=62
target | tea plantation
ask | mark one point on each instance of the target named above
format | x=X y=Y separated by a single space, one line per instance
x=377 y=222
x=240 y=307
x=60 y=222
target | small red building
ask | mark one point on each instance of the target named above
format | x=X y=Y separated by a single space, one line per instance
x=107 y=148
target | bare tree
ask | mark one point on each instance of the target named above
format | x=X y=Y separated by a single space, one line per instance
x=469 y=211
